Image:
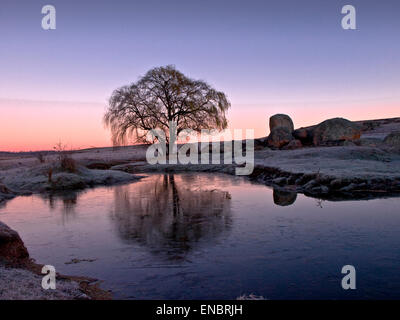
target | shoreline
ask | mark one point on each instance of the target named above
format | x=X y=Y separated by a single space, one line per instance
x=337 y=173
x=337 y=187
x=22 y=276
x=363 y=170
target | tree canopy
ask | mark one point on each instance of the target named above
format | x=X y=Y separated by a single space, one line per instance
x=162 y=96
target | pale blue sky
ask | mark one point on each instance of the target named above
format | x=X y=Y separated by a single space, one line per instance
x=256 y=51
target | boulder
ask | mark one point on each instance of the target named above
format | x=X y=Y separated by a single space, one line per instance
x=280 y=181
x=310 y=184
x=281 y=121
x=319 y=189
x=349 y=188
x=301 y=133
x=12 y=249
x=393 y=139
x=334 y=131
x=279 y=137
x=305 y=135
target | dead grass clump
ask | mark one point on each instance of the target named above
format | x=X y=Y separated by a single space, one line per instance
x=66 y=162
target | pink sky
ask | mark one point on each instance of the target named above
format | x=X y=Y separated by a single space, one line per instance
x=30 y=125
x=267 y=56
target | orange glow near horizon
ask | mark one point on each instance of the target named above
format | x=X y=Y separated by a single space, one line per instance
x=33 y=126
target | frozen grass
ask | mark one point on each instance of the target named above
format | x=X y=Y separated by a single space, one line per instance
x=26 y=174
x=341 y=162
x=36 y=179
x=19 y=284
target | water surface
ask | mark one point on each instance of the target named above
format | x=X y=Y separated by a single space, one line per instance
x=211 y=236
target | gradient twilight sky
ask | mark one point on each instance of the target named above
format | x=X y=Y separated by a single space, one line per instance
x=268 y=57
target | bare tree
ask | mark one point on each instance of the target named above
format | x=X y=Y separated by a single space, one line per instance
x=162 y=96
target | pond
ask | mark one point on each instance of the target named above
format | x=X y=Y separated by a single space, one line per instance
x=213 y=236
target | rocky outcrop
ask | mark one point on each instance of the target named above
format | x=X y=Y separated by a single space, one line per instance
x=12 y=249
x=334 y=131
x=281 y=128
x=324 y=186
x=281 y=121
x=279 y=137
x=305 y=135
x=393 y=139
x=330 y=132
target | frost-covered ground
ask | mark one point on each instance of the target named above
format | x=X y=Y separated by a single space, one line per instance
x=35 y=179
x=369 y=166
x=341 y=162
x=351 y=169
x=20 y=284
x=22 y=174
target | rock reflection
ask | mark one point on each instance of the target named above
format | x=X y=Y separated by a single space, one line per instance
x=166 y=214
x=284 y=198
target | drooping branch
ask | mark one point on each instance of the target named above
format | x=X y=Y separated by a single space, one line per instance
x=163 y=95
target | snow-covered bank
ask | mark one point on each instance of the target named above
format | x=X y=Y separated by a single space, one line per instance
x=48 y=178
x=350 y=171
x=341 y=172
x=22 y=284
x=355 y=170
x=36 y=179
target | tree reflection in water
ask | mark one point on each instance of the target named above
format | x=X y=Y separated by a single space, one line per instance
x=69 y=201
x=168 y=215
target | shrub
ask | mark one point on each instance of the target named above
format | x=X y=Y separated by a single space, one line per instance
x=68 y=164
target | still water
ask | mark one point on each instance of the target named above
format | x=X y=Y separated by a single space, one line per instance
x=208 y=236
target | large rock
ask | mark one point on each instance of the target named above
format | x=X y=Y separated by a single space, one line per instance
x=305 y=135
x=393 y=139
x=280 y=121
x=301 y=133
x=279 y=137
x=334 y=131
x=12 y=248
